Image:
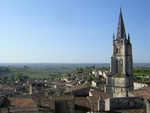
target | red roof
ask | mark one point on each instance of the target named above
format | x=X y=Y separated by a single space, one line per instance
x=144 y=92
x=77 y=87
x=82 y=101
x=22 y=102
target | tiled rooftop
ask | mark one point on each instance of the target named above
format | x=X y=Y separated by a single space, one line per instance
x=82 y=101
x=101 y=94
x=77 y=87
x=130 y=111
x=144 y=92
x=44 y=101
x=68 y=97
x=21 y=102
x=142 y=82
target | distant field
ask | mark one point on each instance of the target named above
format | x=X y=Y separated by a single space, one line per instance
x=39 y=72
x=56 y=70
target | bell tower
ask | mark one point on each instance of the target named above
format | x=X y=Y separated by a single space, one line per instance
x=120 y=78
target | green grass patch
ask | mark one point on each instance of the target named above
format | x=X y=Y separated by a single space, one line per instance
x=118 y=75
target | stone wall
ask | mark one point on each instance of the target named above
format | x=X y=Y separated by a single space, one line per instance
x=80 y=92
x=121 y=81
x=101 y=105
x=124 y=103
x=147 y=103
x=64 y=106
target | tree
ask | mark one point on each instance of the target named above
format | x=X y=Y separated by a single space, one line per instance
x=104 y=68
x=138 y=71
x=89 y=78
x=5 y=78
x=25 y=67
x=18 y=75
x=12 y=78
x=79 y=70
x=67 y=75
x=52 y=79
x=135 y=77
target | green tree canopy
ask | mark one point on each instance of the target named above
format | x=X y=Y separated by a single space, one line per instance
x=18 y=75
x=79 y=70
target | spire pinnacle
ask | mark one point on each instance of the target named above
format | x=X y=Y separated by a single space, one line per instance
x=113 y=38
x=129 y=38
x=121 y=34
x=120 y=8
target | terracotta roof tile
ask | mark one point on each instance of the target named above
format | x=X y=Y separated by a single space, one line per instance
x=93 y=99
x=66 y=97
x=44 y=101
x=142 y=82
x=52 y=105
x=22 y=102
x=130 y=111
x=82 y=101
x=77 y=87
x=101 y=94
x=144 y=92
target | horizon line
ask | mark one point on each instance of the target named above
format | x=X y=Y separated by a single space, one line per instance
x=65 y=63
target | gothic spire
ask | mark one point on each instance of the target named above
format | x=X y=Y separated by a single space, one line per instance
x=121 y=33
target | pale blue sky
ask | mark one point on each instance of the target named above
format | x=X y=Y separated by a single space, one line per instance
x=70 y=31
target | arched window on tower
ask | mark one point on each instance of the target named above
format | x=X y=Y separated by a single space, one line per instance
x=121 y=62
x=117 y=50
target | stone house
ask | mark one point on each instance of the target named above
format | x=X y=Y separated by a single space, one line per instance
x=78 y=90
x=123 y=103
x=95 y=96
x=81 y=82
x=82 y=105
x=95 y=71
x=62 y=104
x=145 y=94
x=105 y=74
x=7 y=91
x=67 y=79
x=18 y=105
x=105 y=102
x=38 y=87
x=95 y=83
x=140 y=84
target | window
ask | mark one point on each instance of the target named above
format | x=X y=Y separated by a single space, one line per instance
x=117 y=51
x=121 y=62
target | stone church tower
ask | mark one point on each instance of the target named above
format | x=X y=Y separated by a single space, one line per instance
x=120 y=78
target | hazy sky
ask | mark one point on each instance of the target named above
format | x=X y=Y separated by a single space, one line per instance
x=70 y=31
